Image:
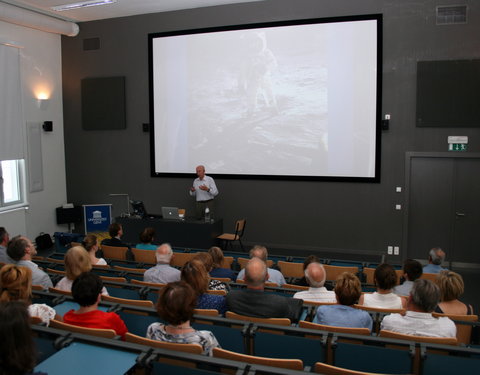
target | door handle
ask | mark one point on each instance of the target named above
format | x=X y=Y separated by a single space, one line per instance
x=459 y=214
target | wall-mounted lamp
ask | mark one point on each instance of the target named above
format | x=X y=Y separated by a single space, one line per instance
x=47 y=126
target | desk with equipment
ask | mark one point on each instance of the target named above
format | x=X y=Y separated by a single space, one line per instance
x=192 y=233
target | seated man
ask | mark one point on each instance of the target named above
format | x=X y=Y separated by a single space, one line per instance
x=115 y=230
x=418 y=320
x=274 y=275
x=315 y=275
x=4 y=258
x=21 y=250
x=253 y=301
x=412 y=270
x=162 y=273
x=436 y=256
x=87 y=292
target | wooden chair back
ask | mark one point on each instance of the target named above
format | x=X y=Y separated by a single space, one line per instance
x=146 y=283
x=56 y=272
x=323 y=368
x=222 y=279
x=429 y=340
x=227 y=262
x=206 y=312
x=380 y=310
x=290 y=269
x=113 y=252
x=126 y=301
x=296 y=287
x=114 y=279
x=100 y=332
x=60 y=291
x=130 y=269
x=217 y=292
x=275 y=321
x=464 y=331
x=179 y=259
x=188 y=348
x=100 y=267
x=53 y=260
x=334 y=271
x=144 y=256
x=323 y=327
x=429 y=276
x=292 y=364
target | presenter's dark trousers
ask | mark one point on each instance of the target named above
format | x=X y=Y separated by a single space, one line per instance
x=202 y=205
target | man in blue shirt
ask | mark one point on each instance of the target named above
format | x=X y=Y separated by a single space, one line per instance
x=435 y=260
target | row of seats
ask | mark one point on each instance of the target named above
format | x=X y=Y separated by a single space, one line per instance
x=311 y=346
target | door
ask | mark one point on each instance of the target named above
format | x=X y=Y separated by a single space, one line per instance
x=443 y=206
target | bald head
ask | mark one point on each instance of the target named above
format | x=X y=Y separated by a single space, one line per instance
x=437 y=256
x=259 y=252
x=315 y=275
x=164 y=253
x=255 y=272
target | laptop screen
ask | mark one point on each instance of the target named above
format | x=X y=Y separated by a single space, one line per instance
x=170 y=213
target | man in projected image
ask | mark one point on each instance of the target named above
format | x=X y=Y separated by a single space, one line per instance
x=204 y=190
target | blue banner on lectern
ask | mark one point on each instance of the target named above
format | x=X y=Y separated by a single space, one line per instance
x=97 y=217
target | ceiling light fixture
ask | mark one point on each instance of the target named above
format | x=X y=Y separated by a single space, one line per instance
x=82 y=4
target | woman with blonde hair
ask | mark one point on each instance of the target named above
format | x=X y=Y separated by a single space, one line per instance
x=90 y=243
x=16 y=285
x=77 y=261
x=451 y=288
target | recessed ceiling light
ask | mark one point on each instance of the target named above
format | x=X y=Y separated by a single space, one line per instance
x=82 y=4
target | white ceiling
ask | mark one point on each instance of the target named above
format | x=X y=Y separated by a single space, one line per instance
x=121 y=8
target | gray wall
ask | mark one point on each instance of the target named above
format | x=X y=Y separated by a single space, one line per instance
x=343 y=218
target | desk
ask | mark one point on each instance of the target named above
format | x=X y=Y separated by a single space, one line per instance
x=190 y=233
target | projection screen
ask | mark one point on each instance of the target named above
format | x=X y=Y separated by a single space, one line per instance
x=292 y=100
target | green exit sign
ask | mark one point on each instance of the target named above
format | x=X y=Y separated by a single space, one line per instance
x=457 y=147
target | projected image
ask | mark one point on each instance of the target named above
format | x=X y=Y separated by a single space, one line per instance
x=265 y=101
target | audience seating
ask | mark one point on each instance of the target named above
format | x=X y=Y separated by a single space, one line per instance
x=227 y=262
x=139 y=271
x=334 y=271
x=296 y=287
x=112 y=252
x=323 y=368
x=179 y=259
x=144 y=256
x=291 y=270
x=126 y=301
x=430 y=340
x=429 y=276
x=106 y=333
x=293 y=364
x=369 y=275
x=228 y=238
x=274 y=321
x=323 y=327
x=464 y=331
x=378 y=313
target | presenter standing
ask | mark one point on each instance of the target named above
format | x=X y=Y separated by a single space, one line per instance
x=204 y=190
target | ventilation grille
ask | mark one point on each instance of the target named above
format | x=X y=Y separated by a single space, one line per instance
x=451 y=15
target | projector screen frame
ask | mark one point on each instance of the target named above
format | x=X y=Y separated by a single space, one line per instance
x=378 y=110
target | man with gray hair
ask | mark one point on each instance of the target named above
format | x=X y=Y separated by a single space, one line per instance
x=418 y=320
x=315 y=275
x=436 y=256
x=162 y=273
x=21 y=250
x=261 y=252
x=253 y=301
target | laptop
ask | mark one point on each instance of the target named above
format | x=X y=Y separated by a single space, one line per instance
x=170 y=213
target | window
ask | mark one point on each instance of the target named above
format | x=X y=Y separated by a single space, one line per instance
x=11 y=177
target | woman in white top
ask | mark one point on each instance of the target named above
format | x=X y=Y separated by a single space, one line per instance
x=90 y=243
x=16 y=285
x=77 y=261
x=385 y=279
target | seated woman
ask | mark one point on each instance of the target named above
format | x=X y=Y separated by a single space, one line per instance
x=86 y=291
x=451 y=288
x=217 y=270
x=146 y=239
x=385 y=279
x=348 y=291
x=207 y=261
x=16 y=285
x=90 y=243
x=77 y=261
x=17 y=348
x=175 y=305
x=195 y=274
